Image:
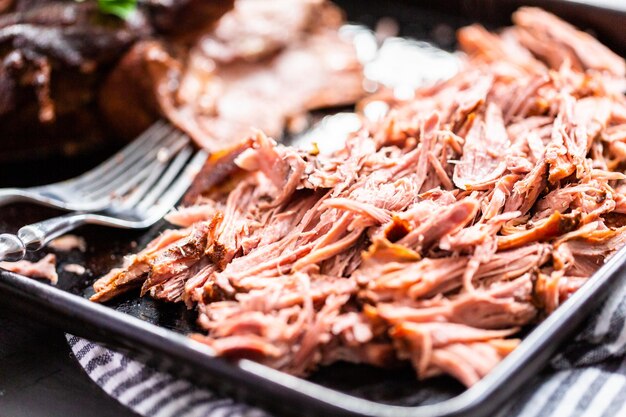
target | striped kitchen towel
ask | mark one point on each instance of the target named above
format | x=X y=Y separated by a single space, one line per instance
x=586 y=379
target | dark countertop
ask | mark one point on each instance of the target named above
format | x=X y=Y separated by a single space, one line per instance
x=39 y=377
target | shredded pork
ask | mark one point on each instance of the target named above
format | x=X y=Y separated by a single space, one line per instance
x=45 y=268
x=75 y=269
x=472 y=210
x=67 y=243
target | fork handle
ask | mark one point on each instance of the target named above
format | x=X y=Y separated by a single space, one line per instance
x=35 y=236
x=11 y=195
x=11 y=248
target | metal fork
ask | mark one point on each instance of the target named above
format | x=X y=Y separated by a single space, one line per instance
x=115 y=177
x=144 y=206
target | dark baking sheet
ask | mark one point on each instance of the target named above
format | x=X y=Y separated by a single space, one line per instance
x=152 y=331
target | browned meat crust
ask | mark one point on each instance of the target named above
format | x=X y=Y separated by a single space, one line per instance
x=54 y=56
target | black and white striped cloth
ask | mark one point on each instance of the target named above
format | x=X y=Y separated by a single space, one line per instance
x=586 y=379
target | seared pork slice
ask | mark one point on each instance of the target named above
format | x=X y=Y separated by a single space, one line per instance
x=246 y=74
x=267 y=94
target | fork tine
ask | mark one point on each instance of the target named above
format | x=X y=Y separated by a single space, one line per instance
x=145 y=138
x=166 y=179
x=176 y=190
x=128 y=179
x=153 y=175
x=131 y=164
x=122 y=161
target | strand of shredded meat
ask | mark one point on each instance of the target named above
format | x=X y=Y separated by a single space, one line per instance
x=45 y=268
x=473 y=209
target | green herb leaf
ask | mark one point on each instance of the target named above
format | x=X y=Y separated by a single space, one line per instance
x=120 y=8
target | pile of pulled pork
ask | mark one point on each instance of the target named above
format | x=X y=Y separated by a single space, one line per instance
x=471 y=210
